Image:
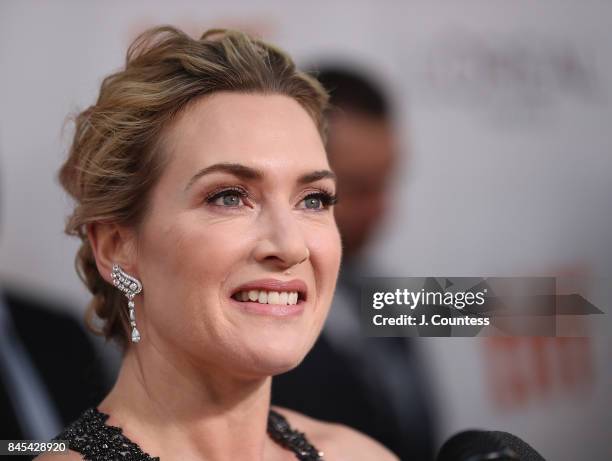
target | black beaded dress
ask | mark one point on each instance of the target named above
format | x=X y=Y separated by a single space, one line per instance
x=96 y=441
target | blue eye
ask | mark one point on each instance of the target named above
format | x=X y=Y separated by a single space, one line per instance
x=313 y=202
x=319 y=201
x=229 y=198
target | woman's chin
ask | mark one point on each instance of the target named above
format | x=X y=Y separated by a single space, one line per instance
x=271 y=361
x=271 y=350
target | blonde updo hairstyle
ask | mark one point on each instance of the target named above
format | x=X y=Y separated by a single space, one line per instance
x=117 y=156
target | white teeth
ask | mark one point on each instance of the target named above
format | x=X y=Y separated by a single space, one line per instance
x=273 y=297
x=282 y=298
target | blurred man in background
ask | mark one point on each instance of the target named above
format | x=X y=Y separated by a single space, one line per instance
x=49 y=371
x=372 y=384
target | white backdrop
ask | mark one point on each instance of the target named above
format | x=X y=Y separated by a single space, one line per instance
x=505 y=114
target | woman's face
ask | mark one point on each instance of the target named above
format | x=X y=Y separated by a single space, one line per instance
x=241 y=212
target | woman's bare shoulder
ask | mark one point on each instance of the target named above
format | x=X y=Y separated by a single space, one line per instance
x=336 y=441
x=67 y=456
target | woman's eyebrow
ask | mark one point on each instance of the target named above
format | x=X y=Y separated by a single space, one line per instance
x=236 y=169
x=246 y=172
x=316 y=175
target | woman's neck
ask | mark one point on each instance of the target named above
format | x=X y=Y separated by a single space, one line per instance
x=179 y=411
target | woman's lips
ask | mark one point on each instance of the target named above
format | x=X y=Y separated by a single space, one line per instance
x=271 y=297
x=273 y=310
x=272 y=285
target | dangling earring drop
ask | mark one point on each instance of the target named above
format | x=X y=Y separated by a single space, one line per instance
x=130 y=286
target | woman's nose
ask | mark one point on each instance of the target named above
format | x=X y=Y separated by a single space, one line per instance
x=281 y=239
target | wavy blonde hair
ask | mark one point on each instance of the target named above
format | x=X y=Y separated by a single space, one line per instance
x=116 y=156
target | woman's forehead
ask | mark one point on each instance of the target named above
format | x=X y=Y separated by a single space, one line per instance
x=226 y=117
x=264 y=132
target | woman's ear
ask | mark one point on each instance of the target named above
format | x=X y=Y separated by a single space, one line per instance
x=112 y=244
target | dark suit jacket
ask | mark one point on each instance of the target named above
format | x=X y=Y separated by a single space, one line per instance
x=64 y=357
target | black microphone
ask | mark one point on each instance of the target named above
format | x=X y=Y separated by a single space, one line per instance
x=477 y=445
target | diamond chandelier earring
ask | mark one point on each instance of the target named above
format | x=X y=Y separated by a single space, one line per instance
x=130 y=286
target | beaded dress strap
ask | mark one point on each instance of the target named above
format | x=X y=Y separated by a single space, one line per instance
x=281 y=432
x=96 y=441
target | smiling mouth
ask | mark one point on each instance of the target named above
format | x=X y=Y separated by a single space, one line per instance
x=280 y=298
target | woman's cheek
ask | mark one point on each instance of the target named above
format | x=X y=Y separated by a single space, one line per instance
x=326 y=252
x=330 y=246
